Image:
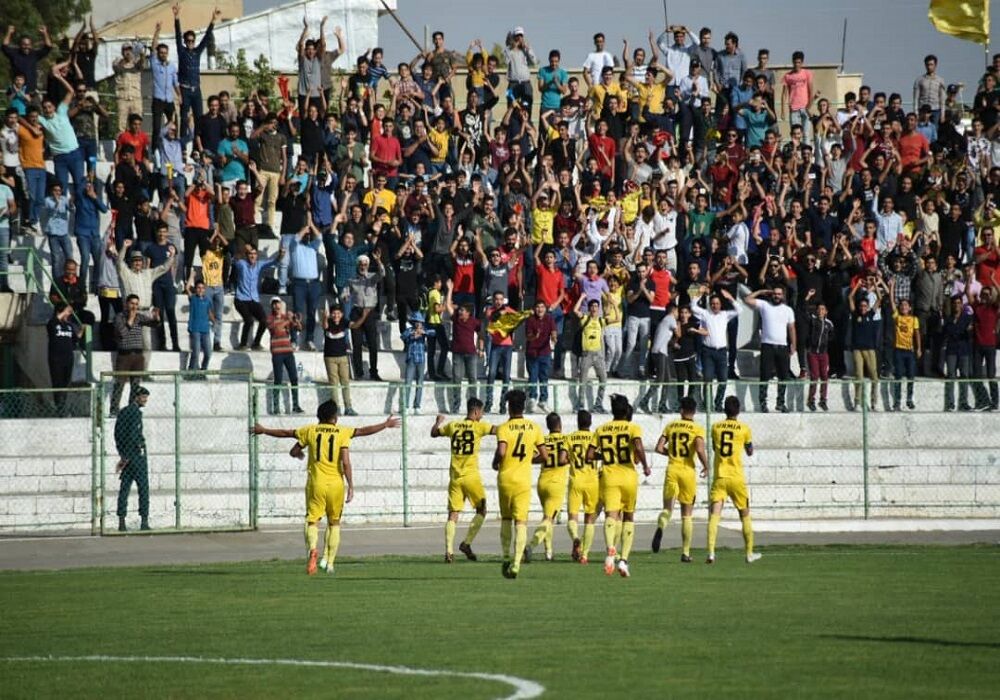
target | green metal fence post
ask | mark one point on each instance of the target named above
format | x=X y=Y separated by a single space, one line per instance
x=99 y=409
x=252 y=417
x=177 y=451
x=95 y=426
x=404 y=394
x=864 y=443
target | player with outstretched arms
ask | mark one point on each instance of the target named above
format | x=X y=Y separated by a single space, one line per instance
x=730 y=439
x=327 y=445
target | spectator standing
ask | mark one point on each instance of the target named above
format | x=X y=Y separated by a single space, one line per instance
x=777 y=342
x=31 y=153
x=500 y=352
x=986 y=313
x=305 y=285
x=63 y=337
x=189 y=67
x=596 y=61
x=109 y=294
x=60 y=138
x=663 y=365
x=132 y=465
x=8 y=209
x=436 y=332
x=715 y=347
x=864 y=339
x=906 y=350
x=520 y=59
x=335 y=347
x=415 y=347
x=639 y=296
x=281 y=324
x=128 y=70
x=247 y=297
x=540 y=337
x=929 y=90
x=131 y=349
x=797 y=95
x=363 y=292
x=212 y=266
x=928 y=301
x=85 y=113
x=162 y=252
x=956 y=348
x=88 y=234
x=24 y=58
x=166 y=86
x=55 y=225
x=592 y=353
x=272 y=163
x=817 y=341
x=201 y=318
x=466 y=348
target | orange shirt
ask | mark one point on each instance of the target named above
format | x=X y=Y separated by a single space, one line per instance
x=912 y=147
x=197 y=209
x=31 y=148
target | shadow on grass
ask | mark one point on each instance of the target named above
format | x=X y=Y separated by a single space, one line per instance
x=912 y=640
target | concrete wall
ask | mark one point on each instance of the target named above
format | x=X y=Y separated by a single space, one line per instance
x=807 y=465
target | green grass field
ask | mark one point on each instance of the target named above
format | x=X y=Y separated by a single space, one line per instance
x=835 y=622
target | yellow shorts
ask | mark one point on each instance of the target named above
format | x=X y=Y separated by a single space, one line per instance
x=467 y=488
x=681 y=484
x=552 y=489
x=324 y=497
x=620 y=489
x=734 y=489
x=584 y=491
x=515 y=500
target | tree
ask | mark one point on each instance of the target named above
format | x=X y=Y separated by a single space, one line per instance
x=259 y=78
x=28 y=15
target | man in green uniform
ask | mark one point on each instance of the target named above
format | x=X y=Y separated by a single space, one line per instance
x=132 y=465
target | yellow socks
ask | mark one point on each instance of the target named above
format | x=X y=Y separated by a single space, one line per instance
x=573 y=529
x=449 y=536
x=520 y=540
x=611 y=529
x=664 y=519
x=628 y=537
x=550 y=531
x=332 y=543
x=505 y=533
x=687 y=531
x=748 y=534
x=312 y=536
x=539 y=535
x=588 y=539
x=477 y=522
x=713 y=531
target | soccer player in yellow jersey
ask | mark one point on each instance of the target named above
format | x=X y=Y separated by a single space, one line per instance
x=328 y=447
x=464 y=482
x=552 y=483
x=730 y=439
x=682 y=441
x=583 y=487
x=618 y=444
x=517 y=441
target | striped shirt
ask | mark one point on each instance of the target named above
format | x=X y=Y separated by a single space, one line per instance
x=279 y=326
x=129 y=337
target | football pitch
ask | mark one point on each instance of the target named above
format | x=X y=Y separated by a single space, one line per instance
x=818 y=622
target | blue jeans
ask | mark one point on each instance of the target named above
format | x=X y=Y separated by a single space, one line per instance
x=88 y=150
x=286 y=260
x=201 y=343
x=305 y=300
x=35 y=178
x=91 y=250
x=67 y=164
x=281 y=363
x=714 y=364
x=500 y=358
x=905 y=365
x=559 y=318
x=218 y=297
x=190 y=99
x=414 y=377
x=538 y=376
x=4 y=246
x=61 y=249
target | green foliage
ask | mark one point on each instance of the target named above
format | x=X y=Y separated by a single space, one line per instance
x=258 y=78
x=497 y=53
x=28 y=15
x=804 y=622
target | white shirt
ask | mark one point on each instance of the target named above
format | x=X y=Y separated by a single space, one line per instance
x=11 y=157
x=717 y=325
x=663 y=335
x=889 y=227
x=665 y=227
x=597 y=61
x=690 y=86
x=774 y=321
x=644 y=233
x=739 y=239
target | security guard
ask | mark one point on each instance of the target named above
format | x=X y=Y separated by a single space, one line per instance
x=132 y=464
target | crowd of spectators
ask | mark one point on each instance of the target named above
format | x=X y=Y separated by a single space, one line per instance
x=629 y=212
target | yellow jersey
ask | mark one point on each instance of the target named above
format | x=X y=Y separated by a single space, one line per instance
x=905 y=327
x=465 y=437
x=600 y=93
x=730 y=438
x=681 y=435
x=542 y=222
x=324 y=442
x=211 y=268
x=613 y=441
x=384 y=199
x=522 y=438
x=578 y=443
x=555 y=442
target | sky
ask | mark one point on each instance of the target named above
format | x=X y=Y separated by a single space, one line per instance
x=886 y=39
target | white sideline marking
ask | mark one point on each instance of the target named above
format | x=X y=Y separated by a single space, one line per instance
x=523 y=688
x=887 y=525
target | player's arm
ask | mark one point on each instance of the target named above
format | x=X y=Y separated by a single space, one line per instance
x=563 y=457
x=297 y=451
x=345 y=463
x=543 y=452
x=499 y=454
x=749 y=449
x=436 y=428
x=259 y=429
x=640 y=455
x=699 y=448
x=390 y=422
x=661 y=446
x=591 y=454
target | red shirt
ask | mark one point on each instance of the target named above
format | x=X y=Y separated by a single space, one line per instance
x=986 y=325
x=464 y=276
x=603 y=149
x=538 y=332
x=384 y=148
x=549 y=284
x=661 y=295
x=986 y=267
x=463 y=335
x=140 y=142
x=912 y=147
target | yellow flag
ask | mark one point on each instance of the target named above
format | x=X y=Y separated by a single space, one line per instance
x=966 y=19
x=507 y=323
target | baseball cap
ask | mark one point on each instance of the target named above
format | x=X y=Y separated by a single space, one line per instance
x=277 y=300
x=952 y=88
x=135 y=254
x=518 y=31
x=695 y=62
